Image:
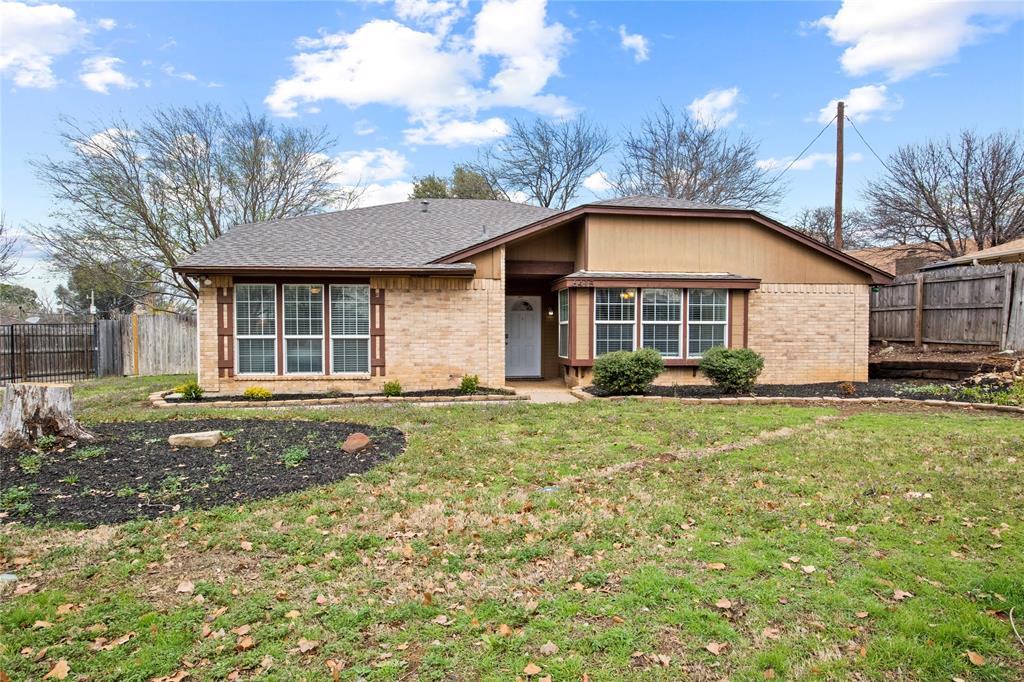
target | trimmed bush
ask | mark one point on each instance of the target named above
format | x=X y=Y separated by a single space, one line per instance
x=627 y=372
x=257 y=393
x=733 y=370
x=392 y=389
x=470 y=383
x=190 y=390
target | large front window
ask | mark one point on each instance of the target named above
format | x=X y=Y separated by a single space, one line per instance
x=563 y=323
x=614 y=320
x=303 y=328
x=256 y=328
x=350 y=328
x=662 y=315
x=707 y=320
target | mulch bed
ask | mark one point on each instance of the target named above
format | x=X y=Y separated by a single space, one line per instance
x=876 y=388
x=138 y=475
x=437 y=392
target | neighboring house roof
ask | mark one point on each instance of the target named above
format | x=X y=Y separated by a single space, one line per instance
x=1010 y=252
x=899 y=259
x=435 y=236
x=408 y=235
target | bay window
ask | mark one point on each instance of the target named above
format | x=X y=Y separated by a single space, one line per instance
x=614 y=320
x=662 y=321
x=350 y=328
x=563 y=323
x=256 y=328
x=303 y=328
x=707 y=320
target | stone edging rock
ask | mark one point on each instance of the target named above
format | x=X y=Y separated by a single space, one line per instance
x=158 y=400
x=765 y=400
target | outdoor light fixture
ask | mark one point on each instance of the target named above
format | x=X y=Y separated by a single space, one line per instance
x=627 y=294
x=207 y=282
x=314 y=290
x=551 y=312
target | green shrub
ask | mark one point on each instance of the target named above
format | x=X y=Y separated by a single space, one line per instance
x=470 y=384
x=257 y=393
x=190 y=390
x=46 y=442
x=732 y=370
x=624 y=372
x=392 y=389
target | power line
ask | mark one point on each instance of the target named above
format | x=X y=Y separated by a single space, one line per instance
x=809 y=144
x=868 y=145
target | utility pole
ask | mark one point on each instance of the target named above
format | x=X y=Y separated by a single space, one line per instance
x=840 y=115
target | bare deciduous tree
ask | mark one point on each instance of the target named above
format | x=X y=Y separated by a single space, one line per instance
x=820 y=222
x=952 y=192
x=545 y=160
x=10 y=251
x=156 y=192
x=680 y=157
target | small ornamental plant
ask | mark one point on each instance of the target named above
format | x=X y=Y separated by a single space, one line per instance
x=392 y=389
x=190 y=390
x=469 y=384
x=732 y=370
x=257 y=393
x=627 y=372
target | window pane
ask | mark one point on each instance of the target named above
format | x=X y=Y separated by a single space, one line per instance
x=615 y=305
x=256 y=356
x=351 y=355
x=350 y=310
x=708 y=305
x=255 y=313
x=663 y=338
x=662 y=305
x=563 y=339
x=304 y=355
x=701 y=337
x=303 y=310
x=563 y=305
x=613 y=337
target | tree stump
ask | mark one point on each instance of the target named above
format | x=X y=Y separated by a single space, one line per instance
x=32 y=410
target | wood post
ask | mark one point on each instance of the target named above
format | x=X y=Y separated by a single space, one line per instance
x=135 y=344
x=1007 y=307
x=918 y=310
x=840 y=115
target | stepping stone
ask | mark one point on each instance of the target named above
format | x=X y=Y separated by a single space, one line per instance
x=198 y=439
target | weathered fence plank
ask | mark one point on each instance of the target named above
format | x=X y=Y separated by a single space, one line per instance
x=159 y=344
x=974 y=305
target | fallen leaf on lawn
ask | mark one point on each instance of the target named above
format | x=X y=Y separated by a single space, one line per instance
x=293 y=614
x=408 y=552
x=41 y=625
x=186 y=587
x=768 y=673
x=900 y=595
x=549 y=648
x=771 y=633
x=808 y=569
x=246 y=545
x=245 y=643
x=4 y=677
x=242 y=630
x=531 y=669
x=307 y=645
x=428 y=598
x=442 y=620
x=176 y=677
x=267 y=661
x=113 y=644
x=321 y=599
x=546 y=678
x=843 y=540
x=795 y=559
x=64 y=609
x=504 y=630
x=715 y=647
x=723 y=603
x=975 y=658
x=335 y=668
x=758 y=483
x=861 y=614
x=716 y=566
x=59 y=671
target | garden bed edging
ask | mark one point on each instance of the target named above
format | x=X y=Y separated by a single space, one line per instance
x=158 y=400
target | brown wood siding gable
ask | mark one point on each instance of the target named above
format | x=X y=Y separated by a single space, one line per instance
x=225 y=331
x=377 y=354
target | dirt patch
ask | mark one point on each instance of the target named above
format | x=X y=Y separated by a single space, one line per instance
x=131 y=472
x=940 y=353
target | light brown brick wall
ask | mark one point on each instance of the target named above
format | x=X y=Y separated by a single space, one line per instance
x=810 y=333
x=436 y=331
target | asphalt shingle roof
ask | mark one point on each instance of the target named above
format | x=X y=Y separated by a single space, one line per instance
x=390 y=235
x=645 y=201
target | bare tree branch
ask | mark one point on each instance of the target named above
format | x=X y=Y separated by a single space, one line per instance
x=10 y=252
x=819 y=223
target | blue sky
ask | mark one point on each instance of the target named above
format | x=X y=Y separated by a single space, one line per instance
x=412 y=87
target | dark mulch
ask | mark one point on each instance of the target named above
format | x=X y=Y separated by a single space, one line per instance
x=138 y=475
x=875 y=388
x=437 y=392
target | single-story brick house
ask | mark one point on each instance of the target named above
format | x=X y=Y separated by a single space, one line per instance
x=426 y=292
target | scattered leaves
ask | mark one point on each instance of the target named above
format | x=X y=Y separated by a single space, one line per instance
x=59 y=671
x=975 y=658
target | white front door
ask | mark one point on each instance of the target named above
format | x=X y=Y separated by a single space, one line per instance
x=522 y=336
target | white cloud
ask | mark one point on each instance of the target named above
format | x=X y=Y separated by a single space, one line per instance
x=452 y=133
x=717 y=108
x=169 y=70
x=505 y=60
x=376 y=193
x=370 y=166
x=806 y=163
x=439 y=15
x=32 y=37
x=597 y=182
x=364 y=127
x=863 y=103
x=100 y=73
x=107 y=24
x=908 y=36
x=106 y=140
x=636 y=43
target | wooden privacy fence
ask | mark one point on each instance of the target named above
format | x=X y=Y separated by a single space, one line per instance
x=140 y=344
x=981 y=305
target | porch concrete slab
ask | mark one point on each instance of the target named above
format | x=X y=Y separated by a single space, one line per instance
x=547 y=391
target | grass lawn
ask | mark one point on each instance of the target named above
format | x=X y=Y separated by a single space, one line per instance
x=598 y=541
